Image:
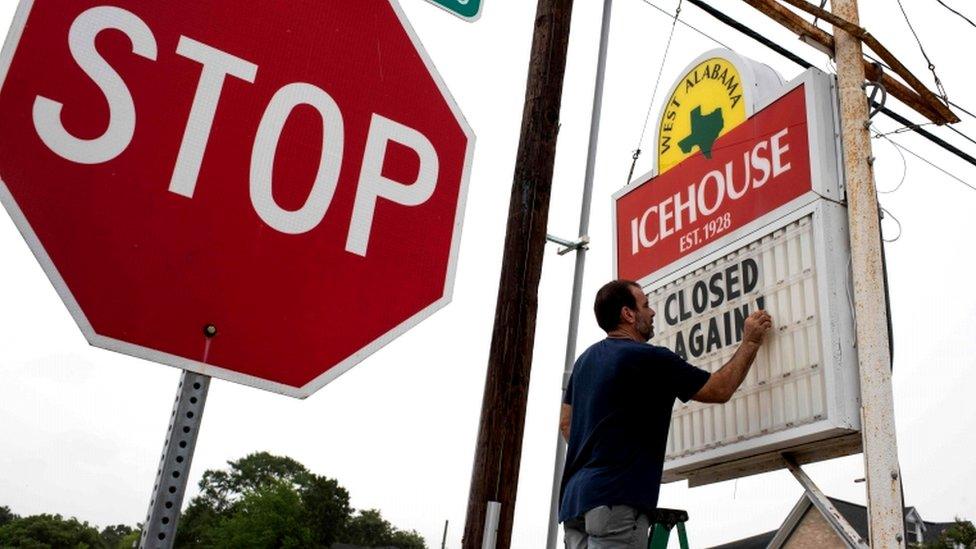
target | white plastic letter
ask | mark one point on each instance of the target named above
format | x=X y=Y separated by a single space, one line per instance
x=373 y=185
x=731 y=191
x=777 y=151
x=645 y=242
x=681 y=207
x=761 y=164
x=663 y=215
x=122 y=111
x=272 y=123
x=716 y=176
x=217 y=65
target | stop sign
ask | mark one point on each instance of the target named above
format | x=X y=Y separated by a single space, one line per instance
x=265 y=192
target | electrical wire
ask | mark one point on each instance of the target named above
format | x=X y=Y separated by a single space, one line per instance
x=923 y=159
x=657 y=82
x=904 y=167
x=904 y=129
x=956 y=105
x=689 y=25
x=938 y=83
x=964 y=136
x=948 y=7
x=886 y=213
x=805 y=64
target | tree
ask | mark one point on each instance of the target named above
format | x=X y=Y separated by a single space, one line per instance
x=961 y=533
x=114 y=536
x=223 y=491
x=269 y=516
x=369 y=529
x=46 y=531
x=130 y=540
x=111 y=535
x=263 y=500
x=259 y=477
x=220 y=489
x=327 y=507
x=6 y=515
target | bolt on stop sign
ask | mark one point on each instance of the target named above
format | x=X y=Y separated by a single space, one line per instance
x=290 y=175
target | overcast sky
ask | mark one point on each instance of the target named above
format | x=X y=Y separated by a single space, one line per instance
x=81 y=428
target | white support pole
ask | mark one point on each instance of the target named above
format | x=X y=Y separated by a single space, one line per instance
x=584 y=227
x=159 y=531
x=492 y=514
x=886 y=527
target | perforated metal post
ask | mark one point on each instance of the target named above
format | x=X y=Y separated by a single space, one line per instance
x=159 y=530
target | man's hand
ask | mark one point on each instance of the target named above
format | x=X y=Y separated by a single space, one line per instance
x=757 y=324
x=722 y=384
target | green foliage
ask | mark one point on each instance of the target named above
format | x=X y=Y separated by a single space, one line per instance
x=259 y=501
x=49 y=531
x=369 y=529
x=6 y=515
x=130 y=540
x=263 y=500
x=962 y=532
x=114 y=536
x=269 y=516
x=327 y=507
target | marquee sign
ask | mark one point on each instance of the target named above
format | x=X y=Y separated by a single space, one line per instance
x=744 y=212
x=802 y=388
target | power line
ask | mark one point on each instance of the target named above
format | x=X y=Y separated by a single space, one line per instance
x=660 y=71
x=689 y=25
x=938 y=83
x=805 y=64
x=962 y=109
x=948 y=7
x=923 y=159
x=964 y=136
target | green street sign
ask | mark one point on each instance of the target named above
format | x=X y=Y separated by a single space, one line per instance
x=468 y=10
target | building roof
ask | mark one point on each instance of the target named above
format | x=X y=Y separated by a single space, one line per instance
x=855 y=514
x=759 y=541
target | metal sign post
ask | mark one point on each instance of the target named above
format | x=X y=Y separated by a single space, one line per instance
x=159 y=531
x=885 y=524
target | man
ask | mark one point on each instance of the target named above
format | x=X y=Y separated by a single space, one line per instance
x=616 y=413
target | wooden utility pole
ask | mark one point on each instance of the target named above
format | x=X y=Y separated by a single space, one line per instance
x=498 y=453
x=885 y=521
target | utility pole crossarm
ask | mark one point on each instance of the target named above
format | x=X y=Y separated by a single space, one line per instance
x=823 y=40
x=918 y=97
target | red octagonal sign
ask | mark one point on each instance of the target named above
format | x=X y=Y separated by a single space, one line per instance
x=265 y=192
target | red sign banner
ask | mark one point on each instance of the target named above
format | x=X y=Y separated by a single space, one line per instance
x=757 y=167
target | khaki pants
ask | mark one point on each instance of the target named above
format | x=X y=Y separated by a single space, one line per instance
x=615 y=527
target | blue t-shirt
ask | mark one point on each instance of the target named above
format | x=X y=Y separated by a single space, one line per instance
x=622 y=393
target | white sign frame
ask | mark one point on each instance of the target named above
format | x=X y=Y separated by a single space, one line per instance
x=831 y=254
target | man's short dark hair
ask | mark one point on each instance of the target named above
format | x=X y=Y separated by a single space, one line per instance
x=612 y=297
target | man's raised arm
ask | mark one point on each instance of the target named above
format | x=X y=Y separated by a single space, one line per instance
x=723 y=383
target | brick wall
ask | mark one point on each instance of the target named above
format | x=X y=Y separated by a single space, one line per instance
x=814 y=532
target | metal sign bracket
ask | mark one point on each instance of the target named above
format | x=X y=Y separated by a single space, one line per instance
x=824 y=505
x=582 y=243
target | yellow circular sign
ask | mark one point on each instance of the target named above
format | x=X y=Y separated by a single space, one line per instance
x=706 y=103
